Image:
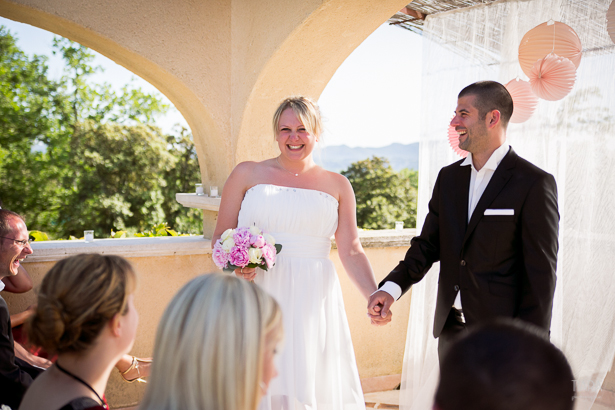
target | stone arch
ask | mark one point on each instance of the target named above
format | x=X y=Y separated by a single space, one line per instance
x=77 y=22
x=316 y=47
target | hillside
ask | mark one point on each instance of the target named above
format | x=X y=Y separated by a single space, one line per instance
x=338 y=158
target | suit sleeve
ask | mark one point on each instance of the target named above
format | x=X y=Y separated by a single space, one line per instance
x=539 y=233
x=424 y=249
x=13 y=380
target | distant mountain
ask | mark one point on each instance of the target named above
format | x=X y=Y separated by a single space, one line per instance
x=339 y=158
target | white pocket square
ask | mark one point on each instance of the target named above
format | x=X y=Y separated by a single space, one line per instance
x=499 y=211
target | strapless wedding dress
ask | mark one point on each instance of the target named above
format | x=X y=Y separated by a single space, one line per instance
x=317 y=367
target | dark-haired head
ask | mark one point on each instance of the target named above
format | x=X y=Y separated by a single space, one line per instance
x=490 y=95
x=505 y=365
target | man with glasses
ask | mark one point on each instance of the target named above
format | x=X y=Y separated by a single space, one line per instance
x=15 y=374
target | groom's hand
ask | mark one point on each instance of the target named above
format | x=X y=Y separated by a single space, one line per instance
x=378 y=308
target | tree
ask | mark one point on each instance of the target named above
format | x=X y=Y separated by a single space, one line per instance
x=383 y=196
x=105 y=164
x=30 y=106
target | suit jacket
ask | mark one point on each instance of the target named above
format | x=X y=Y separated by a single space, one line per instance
x=504 y=265
x=14 y=373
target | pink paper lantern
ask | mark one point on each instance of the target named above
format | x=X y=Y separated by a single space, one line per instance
x=553 y=77
x=557 y=38
x=610 y=21
x=524 y=100
x=453 y=140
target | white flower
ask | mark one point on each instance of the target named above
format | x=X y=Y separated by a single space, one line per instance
x=255 y=230
x=226 y=234
x=228 y=244
x=269 y=239
x=255 y=254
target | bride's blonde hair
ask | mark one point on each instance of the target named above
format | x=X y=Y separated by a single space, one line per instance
x=210 y=344
x=305 y=109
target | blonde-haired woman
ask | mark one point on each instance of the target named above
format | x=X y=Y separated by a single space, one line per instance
x=86 y=315
x=302 y=205
x=215 y=346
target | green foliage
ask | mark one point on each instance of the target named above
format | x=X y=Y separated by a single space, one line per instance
x=161 y=229
x=103 y=164
x=383 y=196
x=38 y=235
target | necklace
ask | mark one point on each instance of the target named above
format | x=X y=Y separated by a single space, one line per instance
x=292 y=173
x=80 y=380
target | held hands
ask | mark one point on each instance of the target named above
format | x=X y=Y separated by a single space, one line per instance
x=246 y=273
x=378 y=308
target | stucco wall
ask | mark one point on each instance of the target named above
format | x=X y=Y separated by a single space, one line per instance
x=182 y=259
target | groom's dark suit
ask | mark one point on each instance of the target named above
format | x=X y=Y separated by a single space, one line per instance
x=503 y=264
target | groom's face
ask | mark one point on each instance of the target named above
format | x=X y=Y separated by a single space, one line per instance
x=472 y=130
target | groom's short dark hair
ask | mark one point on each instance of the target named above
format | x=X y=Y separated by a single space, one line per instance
x=505 y=365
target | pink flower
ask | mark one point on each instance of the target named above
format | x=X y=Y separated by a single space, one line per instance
x=219 y=256
x=239 y=256
x=257 y=241
x=242 y=237
x=269 y=254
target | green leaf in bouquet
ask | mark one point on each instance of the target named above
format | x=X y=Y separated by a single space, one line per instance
x=278 y=247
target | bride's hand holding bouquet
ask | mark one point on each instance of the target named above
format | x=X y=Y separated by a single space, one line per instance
x=242 y=250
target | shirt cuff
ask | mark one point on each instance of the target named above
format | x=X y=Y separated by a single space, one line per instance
x=392 y=289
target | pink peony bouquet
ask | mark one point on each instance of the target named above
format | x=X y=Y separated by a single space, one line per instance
x=245 y=247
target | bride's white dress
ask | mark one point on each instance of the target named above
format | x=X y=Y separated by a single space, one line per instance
x=316 y=365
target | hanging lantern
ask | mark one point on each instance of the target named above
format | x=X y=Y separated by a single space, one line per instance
x=610 y=21
x=453 y=140
x=524 y=100
x=557 y=38
x=553 y=77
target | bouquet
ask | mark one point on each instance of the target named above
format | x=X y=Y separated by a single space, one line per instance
x=245 y=248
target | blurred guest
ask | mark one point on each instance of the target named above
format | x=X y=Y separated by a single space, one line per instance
x=86 y=315
x=505 y=365
x=215 y=347
x=15 y=374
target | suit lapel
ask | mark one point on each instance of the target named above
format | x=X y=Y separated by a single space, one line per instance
x=499 y=179
x=462 y=187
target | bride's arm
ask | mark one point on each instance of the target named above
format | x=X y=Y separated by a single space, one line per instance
x=349 y=246
x=232 y=194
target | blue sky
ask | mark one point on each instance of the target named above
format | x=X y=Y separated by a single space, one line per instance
x=371 y=101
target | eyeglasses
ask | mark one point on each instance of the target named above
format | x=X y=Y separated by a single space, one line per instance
x=23 y=243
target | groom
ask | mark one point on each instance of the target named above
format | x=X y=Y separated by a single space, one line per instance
x=492 y=224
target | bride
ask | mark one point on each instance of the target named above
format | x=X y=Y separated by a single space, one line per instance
x=302 y=205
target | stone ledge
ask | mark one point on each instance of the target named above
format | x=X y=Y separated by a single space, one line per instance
x=49 y=251
x=384 y=238
x=198 y=201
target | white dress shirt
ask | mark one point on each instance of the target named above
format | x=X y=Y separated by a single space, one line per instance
x=478 y=182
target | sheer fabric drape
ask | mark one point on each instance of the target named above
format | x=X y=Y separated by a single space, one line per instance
x=574 y=139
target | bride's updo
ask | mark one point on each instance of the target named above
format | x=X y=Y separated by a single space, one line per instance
x=305 y=109
x=78 y=296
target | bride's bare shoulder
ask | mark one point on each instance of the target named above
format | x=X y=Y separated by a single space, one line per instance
x=250 y=167
x=337 y=185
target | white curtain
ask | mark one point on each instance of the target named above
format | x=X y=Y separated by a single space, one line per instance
x=573 y=139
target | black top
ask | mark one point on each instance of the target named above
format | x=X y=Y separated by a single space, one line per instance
x=82 y=403
x=15 y=374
